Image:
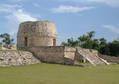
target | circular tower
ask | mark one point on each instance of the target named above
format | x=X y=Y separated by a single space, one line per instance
x=38 y=33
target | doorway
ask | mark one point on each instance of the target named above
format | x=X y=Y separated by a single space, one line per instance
x=26 y=41
x=54 y=42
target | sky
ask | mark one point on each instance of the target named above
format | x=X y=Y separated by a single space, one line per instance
x=73 y=18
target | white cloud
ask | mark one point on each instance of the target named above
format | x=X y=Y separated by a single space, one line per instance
x=114 y=3
x=15 y=14
x=112 y=28
x=21 y=16
x=70 y=9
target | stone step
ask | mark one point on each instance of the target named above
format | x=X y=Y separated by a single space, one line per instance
x=91 y=56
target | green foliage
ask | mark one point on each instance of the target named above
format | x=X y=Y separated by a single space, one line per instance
x=88 y=41
x=114 y=48
x=0 y=45
x=59 y=74
x=70 y=43
x=6 y=40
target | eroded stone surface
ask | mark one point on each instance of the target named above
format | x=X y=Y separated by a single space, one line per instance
x=40 y=38
x=17 y=58
x=54 y=54
x=90 y=55
x=37 y=33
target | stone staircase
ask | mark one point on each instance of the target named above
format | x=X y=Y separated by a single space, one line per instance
x=91 y=56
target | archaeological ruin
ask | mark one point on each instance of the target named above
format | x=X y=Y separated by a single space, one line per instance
x=39 y=33
x=40 y=38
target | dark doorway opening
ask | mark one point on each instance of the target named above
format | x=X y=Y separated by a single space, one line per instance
x=54 y=42
x=26 y=41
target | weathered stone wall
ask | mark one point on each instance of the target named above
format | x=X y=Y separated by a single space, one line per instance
x=50 y=54
x=66 y=55
x=38 y=33
x=89 y=55
x=16 y=58
x=54 y=54
x=110 y=59
x=79 y=57
x=69 y=52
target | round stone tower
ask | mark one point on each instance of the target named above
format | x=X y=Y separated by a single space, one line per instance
x=38 y=33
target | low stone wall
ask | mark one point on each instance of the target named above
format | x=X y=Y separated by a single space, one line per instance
x=89 y=55
x=110 y=59
x=69 y=52
x=79 y=58
x=51 y=54
x=54 y=54
x=16 y=58
x=85 y=52
x=66 y=55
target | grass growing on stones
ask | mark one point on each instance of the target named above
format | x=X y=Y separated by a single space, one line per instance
x=59 y=74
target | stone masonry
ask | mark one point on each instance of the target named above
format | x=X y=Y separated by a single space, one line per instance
x=17 y=58
x=38 y=33
x=89 y=55
x=40 y=38
x=54 y=54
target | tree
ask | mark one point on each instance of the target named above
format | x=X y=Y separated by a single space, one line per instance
x=114 y=48
x=70 y=42
x=103 y=46
x=95 y=44
x=102 y=41
x=91 y=34
x=85 y=41
x=6 y=40
x=0 y=45
x=88 y=41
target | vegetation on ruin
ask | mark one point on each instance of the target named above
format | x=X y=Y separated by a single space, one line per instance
x=90 y=42
x=59 y=74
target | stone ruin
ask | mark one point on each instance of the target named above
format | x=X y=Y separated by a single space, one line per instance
x=17 y=58
x=40 y=38
x=39 y=33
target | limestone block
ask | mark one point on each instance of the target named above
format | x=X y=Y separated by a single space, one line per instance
x=17 y=58
x=38 y=33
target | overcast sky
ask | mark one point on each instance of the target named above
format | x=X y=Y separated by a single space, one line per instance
x=72 y=17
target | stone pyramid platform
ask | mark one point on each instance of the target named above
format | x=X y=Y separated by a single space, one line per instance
x=92 y=56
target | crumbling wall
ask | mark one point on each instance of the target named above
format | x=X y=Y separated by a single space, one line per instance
x=90 y=55
x=79 y=57
x=36 y=33
x=17 y=58
x=54 y=54
x=110 y=59
x=66 y=55
x=69 y=52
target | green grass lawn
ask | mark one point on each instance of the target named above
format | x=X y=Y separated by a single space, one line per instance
x=59 y=74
